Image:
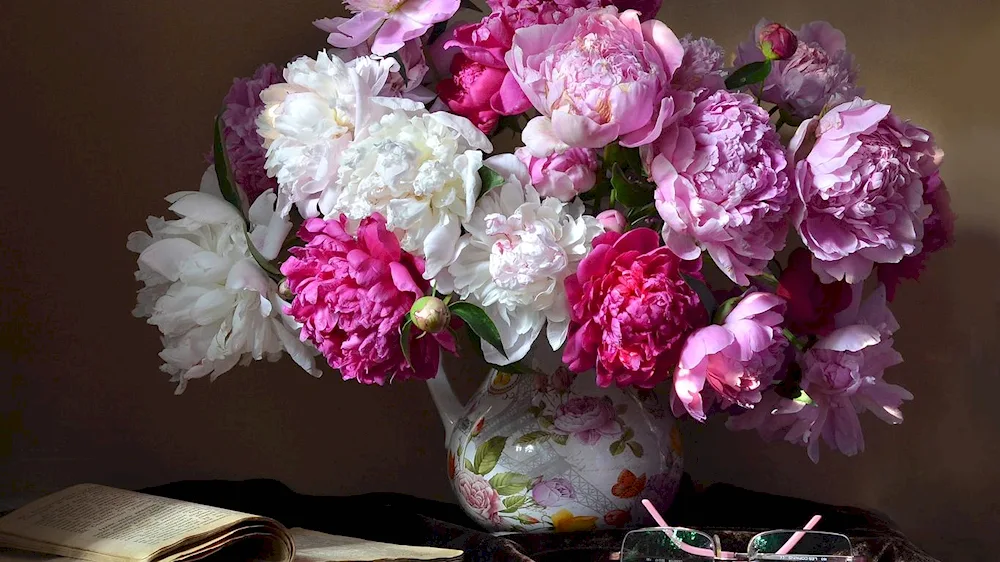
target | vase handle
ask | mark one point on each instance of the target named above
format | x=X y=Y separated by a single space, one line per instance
x=448 y=406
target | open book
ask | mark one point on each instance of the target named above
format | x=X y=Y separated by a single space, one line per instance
x=101 y=524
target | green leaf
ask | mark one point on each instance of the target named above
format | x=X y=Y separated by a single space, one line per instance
x=629 y=434
x=753 y=73
x=560 y=439
x=803 y=398
x=636 y=449
x=621 y=409
x=402 y=67
x=533 y=437
x=488 y=454
x=509 y=483
x=517 y=367
x=704 y=294
x=229 y=192
x=404 y=340
x=547 y=421
x=513 y=503
x=536 y=410
x=526 y=519
x=617 y=448
x=437 y=31
x=490 y=178
x=261 y=260
x=629 y=193
x=480 y=323
x=468 y=466
x=724 y=309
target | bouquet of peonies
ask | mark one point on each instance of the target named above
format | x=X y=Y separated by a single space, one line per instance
x=354 y=210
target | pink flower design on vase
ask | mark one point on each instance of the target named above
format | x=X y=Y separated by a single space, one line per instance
x=737 y=360
x=587 y=418
x=598 y=76
x=479 y=496
x=861 y=174
x=391 y=22
x=631 y=309
x=351 y=295
x=722 y=185
x=553 y=493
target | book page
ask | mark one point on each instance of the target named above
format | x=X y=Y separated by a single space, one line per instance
x=107 y=521
x=313 y=546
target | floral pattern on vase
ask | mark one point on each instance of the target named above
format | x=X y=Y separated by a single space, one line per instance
x=554 y=452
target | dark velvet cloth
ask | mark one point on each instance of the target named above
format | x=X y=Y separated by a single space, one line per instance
x=734 y=514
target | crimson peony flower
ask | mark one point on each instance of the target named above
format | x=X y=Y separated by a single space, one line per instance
x=631 y=309
x=352 y=294
x=811 y=304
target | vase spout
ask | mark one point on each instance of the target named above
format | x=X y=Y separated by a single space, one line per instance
x=448 y=406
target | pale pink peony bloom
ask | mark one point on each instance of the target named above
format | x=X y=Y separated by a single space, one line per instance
x=861 y=173
x=587 y=418
x=244 y=147
x=479 y=496
x=843 y=374
x=391 y=22
x=701 y=66
x=612 y=220
x=939 y=233
x=631 y=310
x=598 y=76
x=564 y=175
x=352 y=295
x=414 y=68
x=820 y=73
x=722 y=185
x=738 y=360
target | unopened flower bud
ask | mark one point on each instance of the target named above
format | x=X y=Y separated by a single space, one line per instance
x=430 y=314
x=612 y=221
x=777 y=42
x=284 y=291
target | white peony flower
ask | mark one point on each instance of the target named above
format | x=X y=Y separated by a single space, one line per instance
x=420 y=171
x=213 y=303
x=513 y=260
x=309 y=121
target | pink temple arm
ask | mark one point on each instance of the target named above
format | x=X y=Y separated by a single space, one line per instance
x=796 y=537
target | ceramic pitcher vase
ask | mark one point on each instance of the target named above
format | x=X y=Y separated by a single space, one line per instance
x=551 y=451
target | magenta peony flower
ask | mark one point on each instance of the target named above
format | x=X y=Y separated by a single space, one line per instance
x=939 y=233
x=861 y=173
x=352 y=294
x=469 y=90
x=631 y=309
x=820 y=73
x=701 y=66
x=243 y=145
x=811 y=305
x=738 y=359
x=564 y=175
x=477 y=493
x=843 y=374
x=553 y=493
x=587 y=418
x=722 y=185
x=595 y=77
x=391 y=22
x=776 y=42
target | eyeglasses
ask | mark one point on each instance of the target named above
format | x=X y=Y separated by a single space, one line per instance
x=679 y=544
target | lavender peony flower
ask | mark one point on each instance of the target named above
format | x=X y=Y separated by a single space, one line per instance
x=820 y=73
x=701 y=66
x=737 y=360
x=597 y=76
x=564 y=175
x=722 y=185
x=239 y=120
x=861 y=185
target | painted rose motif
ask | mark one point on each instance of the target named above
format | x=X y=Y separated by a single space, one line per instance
x=553 y=492
x=587 y=418
x=479 y=496
x=629 y=485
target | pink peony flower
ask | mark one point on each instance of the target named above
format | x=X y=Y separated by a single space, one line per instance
x=843 y=374
x=738 y=359
x=631 y=309
x=414 y=68
x=861 y=173
x=486 y=42
x=553 y=493
x=564 y=175
x=243 y=145
x=479 y=496
x=587 y=418
x=352 y=294
x=811 y=304
x=597 y=76
x=776 y=42
x=612 y=220
x=701 y=66
x=939 y=233
x=469 y=90
x=820 y=73
x=722 y=185
x=392 y=22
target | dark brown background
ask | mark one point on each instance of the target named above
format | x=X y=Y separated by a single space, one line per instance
x=108 y=106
